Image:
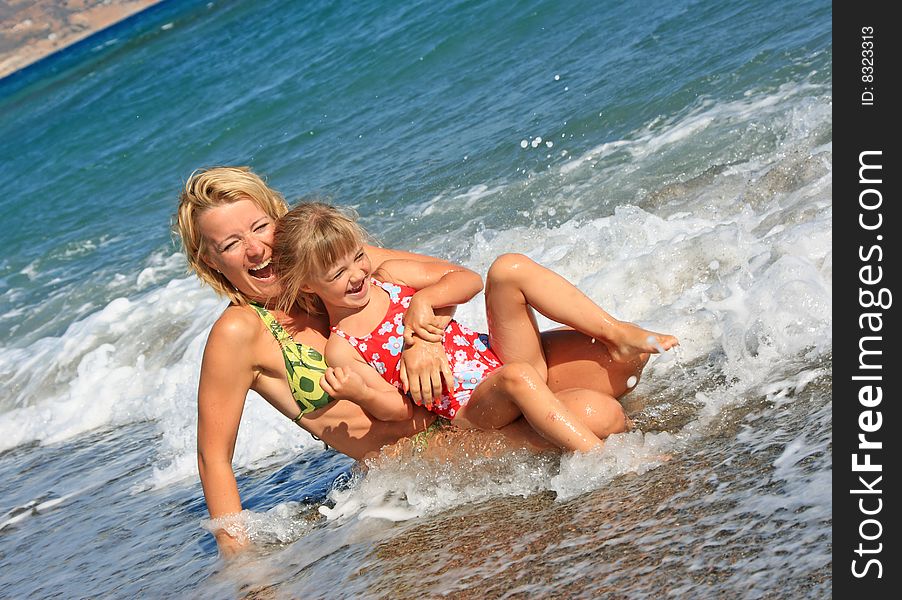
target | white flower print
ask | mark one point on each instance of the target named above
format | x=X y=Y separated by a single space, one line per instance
x=394 y=291
x=460 y=340
x=394 y=345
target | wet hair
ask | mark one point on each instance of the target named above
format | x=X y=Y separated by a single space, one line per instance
x=210 y=188
x=310 y=239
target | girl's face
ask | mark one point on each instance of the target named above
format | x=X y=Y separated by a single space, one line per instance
x=346 y=284
x=239 y=239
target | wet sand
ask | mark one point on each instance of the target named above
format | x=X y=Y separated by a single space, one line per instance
x=33 y=29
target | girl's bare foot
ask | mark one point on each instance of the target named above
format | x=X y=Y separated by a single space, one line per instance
x=629 y=341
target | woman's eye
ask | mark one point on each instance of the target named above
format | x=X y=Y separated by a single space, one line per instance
x=261 y=226
x=229 y=246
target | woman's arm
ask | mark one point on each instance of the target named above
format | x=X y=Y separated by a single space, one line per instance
x=438 y=284
x=226 y=376
x=421 y=321
x=349 y=378
x=380 y=255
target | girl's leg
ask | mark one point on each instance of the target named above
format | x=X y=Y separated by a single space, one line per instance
x=601 y=412
x=575 y=360
x=515 y=283
x=515 y=389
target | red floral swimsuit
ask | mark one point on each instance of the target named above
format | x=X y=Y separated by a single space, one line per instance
x=468 y=352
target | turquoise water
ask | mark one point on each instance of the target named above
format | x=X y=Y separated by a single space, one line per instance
x=674 y=159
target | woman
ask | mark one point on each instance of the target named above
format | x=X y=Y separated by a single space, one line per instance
x=226 y=219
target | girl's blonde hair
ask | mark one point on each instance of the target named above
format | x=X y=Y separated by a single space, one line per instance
x=207 y=189
x=310 y=239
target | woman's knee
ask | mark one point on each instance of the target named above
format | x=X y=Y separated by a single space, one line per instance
x=601 y=412
x=507 y=267
x=611 y=418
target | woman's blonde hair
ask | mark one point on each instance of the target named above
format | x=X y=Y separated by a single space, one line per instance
x=310 y=239
x=210 y=188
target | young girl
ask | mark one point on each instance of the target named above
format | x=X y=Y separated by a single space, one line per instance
x=494 y=379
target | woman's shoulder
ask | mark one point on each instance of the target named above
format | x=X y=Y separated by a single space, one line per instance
x=234 y=342
x=238 y=324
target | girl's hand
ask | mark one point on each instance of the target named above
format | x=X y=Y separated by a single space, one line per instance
x=343 y=384
x=420 y=321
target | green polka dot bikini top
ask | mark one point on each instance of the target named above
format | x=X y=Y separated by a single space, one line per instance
x=304 y=366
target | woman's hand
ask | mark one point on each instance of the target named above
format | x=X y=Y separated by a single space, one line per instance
x=229 y=546
x=343 y=384
x=423 y=367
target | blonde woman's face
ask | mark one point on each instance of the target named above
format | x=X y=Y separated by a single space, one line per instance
x=239 y=240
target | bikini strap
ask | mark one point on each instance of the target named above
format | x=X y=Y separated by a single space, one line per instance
x=392 y=289
x=339 y=332
x=275 y=327
x=304 y=366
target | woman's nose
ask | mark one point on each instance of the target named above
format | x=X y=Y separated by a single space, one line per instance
x=254 y=246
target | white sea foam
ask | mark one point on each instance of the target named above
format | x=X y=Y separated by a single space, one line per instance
x=33 y=509
x=473 y=198
x=279 y=525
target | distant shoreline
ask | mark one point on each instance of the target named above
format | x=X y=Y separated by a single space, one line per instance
x=31 y=31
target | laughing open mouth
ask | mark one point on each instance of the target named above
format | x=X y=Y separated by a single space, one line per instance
x=263 y=271
x=356 y=289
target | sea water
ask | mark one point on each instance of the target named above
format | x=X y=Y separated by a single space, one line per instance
x=672 y=159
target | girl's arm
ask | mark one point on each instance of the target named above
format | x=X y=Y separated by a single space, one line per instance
x=226 y=376
x=349 y=378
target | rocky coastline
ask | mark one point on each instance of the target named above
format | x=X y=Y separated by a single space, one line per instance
x=33 y=29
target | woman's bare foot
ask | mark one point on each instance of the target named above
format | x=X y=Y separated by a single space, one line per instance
x=629 y=341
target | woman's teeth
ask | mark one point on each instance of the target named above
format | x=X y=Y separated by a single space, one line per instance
x=262 y=271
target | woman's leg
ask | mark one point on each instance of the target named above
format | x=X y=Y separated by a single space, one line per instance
x=574 y=359
x=515 y=284
x=515 y=389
